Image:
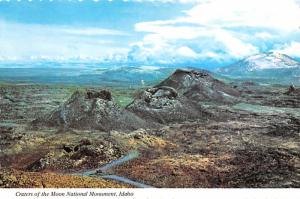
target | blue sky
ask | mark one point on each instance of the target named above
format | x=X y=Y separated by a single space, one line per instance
x=150 y=32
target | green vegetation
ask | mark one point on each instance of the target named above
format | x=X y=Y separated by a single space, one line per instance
x=266 y=109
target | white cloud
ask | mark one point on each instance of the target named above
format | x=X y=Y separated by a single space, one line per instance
x=292 y=49
x=177 y=1
x=234 y=46
x=214 y=30
x=31 y=41
x=186 y=52
x=166 y=1
x=278 y=14
x=90 y=31
x=264 y=35
x=220 y=30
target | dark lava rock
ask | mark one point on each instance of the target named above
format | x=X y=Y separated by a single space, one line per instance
x=67 y=149
x=164 y=105
x=87 y=150
x=39 y=164
x=293 y=91
x=262 y=167
x=288 y=129
x=94 y=152
x=104 y=94
x=6 y=99
x=8 y=136
x=83 y=142
x=71 y=147
x=199 y=86
x=91 y=110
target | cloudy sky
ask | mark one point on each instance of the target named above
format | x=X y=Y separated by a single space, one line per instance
x=172 y=32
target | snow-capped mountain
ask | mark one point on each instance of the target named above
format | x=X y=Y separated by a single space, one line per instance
x=269 y=67
x=270 y=61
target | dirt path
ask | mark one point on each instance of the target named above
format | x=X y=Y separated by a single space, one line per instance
x=102 y=171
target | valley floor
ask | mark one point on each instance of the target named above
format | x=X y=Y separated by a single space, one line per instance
x=254 y=143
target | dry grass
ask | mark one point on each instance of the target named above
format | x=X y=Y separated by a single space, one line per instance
x=20 y=179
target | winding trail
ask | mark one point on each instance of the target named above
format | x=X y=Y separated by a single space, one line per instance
x=102 y=171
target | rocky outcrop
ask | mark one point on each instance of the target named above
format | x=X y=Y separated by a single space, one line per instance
x=293 y=91
x=163 y=105
x=8 y=136
x=200 y=86
x=92 y=110
x=180 y=97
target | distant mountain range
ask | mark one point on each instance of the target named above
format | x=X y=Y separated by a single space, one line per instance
x=266 y=67
x=119 y=76
x=274 y=68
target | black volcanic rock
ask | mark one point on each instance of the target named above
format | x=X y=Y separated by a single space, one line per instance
x=103 y=94
x=293 y=91
x=8 y=136
x=200 y=86
x=92 y=110
x=164 y=105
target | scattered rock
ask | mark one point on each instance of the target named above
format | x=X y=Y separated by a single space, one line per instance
x=234 y=148
x=293 y=91
x=287 y=129
x=9 y=99
x=8 y=136
x=89 y=150
x=85 y=142
x=39 y=164
x=262 y=166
